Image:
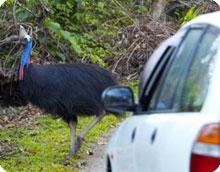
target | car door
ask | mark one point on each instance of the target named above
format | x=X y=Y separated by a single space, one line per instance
x=172 y=104
x=124 y=150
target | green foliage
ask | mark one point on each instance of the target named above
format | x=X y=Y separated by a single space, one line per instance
x=88 y=26
x=68 y=30
x=134 y=85
x=68 y=24
x=190 y=14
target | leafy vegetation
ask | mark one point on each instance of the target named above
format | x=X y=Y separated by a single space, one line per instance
x=86 y=28
x=191 y=14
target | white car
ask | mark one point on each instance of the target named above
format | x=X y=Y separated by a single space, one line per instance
x=175 y=126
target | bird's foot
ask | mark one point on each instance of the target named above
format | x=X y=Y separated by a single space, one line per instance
x=66 y=160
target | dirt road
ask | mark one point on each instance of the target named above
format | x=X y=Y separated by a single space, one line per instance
x=96 y=162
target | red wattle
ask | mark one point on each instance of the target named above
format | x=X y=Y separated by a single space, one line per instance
x=21 y=73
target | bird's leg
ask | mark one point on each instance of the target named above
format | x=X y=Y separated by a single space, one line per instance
x=86 y=130
x=72 y=125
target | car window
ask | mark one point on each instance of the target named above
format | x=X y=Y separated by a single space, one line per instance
x=158 y=70
x=198 y=77
x=185 y=85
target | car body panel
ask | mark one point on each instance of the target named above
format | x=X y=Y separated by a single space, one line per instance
x=170 y=130
x=183 y=128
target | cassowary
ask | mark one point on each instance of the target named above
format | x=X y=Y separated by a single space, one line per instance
x=64 y=90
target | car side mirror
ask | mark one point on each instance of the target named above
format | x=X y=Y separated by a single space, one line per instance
x=118 y=99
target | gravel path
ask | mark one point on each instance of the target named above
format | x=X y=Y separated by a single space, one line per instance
x=96 y=162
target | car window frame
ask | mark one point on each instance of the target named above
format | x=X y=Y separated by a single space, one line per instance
x=158 y=69
x=156 y=72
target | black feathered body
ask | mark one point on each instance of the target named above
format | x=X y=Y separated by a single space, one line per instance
x=66 y=90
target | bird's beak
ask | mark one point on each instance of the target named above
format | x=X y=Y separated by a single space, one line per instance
x=22 y=33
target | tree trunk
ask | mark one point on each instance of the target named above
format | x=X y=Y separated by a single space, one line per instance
x=158 y=8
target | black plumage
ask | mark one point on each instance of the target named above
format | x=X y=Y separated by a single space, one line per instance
x=64 y=90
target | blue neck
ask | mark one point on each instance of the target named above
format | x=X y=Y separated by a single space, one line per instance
x=26 y=51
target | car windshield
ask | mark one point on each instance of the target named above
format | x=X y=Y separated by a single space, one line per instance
x=183 y=88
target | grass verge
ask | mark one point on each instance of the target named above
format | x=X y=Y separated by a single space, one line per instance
x=43 y=145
